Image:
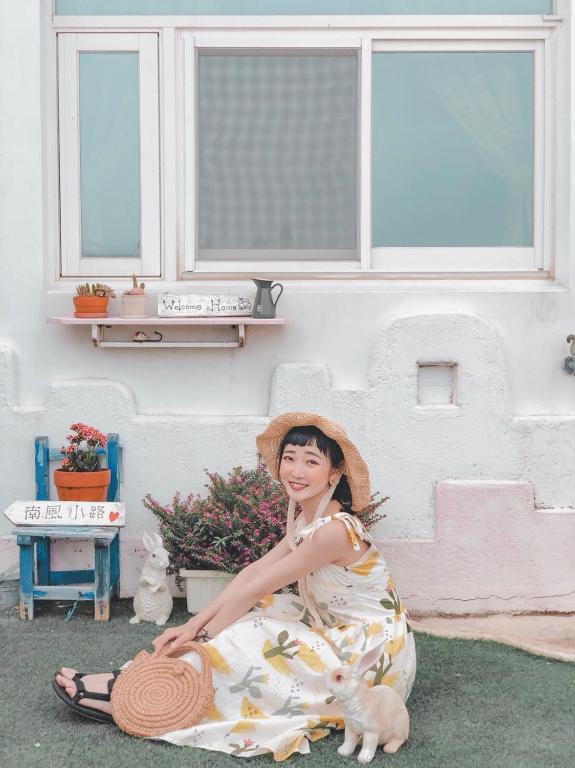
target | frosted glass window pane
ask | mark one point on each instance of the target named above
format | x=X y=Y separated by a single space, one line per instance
x=277 y=155
x=299 y=7
x=110 y=154
x=452 y=149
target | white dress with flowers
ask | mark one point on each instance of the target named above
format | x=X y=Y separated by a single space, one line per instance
x=269 y=667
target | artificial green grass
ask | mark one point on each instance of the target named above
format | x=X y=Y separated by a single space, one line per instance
x=474 y=703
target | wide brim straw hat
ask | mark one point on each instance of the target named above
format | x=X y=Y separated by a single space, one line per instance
x=355 y=468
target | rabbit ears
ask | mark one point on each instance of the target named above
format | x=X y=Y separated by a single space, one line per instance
x=368 y=659
x=152 y=541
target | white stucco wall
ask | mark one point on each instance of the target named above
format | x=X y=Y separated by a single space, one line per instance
x=350 y=352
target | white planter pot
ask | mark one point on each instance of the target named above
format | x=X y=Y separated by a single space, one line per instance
x=203 y=586
x=134 y=305
x=9 y=593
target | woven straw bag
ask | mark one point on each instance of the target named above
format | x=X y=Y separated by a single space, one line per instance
x=155 y=695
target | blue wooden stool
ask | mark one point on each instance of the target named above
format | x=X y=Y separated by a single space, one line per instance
x=98 y=584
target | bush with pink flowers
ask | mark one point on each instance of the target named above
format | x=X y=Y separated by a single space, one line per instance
x=238 y=521
x=80 y=455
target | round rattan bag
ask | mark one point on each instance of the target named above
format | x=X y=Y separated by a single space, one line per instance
x=158 y=694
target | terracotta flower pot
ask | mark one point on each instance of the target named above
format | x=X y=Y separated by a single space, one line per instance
x=82 y=486
x=91 y=306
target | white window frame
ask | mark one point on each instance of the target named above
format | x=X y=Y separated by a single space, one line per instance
x=193 y=44
x=535 y=259
x=180 y=36
x=70 y=45
x=495 y=259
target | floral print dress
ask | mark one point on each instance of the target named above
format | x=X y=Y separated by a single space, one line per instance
x=269 y=668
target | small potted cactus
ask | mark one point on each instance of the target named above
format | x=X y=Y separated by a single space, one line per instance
x=92 y=300
x=134 y=300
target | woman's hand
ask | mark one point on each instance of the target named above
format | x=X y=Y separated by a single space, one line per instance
x=176 y=636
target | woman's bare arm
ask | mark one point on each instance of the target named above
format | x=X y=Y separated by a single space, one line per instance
x=330 y=542
x=280 y=550
x=190 y=628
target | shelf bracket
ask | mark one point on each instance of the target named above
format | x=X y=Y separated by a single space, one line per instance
x=98 y=340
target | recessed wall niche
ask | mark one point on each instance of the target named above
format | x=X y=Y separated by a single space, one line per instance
x=437 y=384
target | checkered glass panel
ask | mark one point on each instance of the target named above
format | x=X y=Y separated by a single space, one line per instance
x=277 y=155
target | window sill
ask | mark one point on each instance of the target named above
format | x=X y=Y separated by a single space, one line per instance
x=370 y=281
x=329 y=282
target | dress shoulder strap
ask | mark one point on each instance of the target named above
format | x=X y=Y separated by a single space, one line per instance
x=354 y=526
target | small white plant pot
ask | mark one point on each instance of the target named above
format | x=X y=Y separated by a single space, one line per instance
x=203 y=586
x=134 y=305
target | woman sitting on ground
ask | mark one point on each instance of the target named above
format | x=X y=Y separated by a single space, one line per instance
x=270 y=652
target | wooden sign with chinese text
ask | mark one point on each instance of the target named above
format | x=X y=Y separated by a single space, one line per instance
x=67 y=513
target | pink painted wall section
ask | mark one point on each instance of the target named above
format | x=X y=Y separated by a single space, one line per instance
x=492 y=551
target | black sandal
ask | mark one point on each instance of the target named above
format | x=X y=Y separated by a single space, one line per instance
x=82 y=693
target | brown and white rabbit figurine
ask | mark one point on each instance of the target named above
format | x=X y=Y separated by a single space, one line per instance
x=377 y=714
x=153 y=601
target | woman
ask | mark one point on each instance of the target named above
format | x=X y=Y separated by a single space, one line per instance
x=270 y=652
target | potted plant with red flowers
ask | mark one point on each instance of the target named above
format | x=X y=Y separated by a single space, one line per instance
x=80 y=478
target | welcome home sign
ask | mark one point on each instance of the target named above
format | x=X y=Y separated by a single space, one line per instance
x=201 y=305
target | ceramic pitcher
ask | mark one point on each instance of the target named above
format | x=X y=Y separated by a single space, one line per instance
x=264 y=305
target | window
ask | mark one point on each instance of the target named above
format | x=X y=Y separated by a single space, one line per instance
x=276 y=158
x=251 y=7
x=454 y=148
x=109 y=154
x=306 y=147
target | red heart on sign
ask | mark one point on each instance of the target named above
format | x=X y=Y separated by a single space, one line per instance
x=114 y=516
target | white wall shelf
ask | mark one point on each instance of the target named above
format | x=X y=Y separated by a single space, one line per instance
x=100 y=324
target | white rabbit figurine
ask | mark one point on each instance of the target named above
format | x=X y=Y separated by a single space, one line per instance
x=153 y=601
x=378 y=714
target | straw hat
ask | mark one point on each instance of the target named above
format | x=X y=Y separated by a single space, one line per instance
x=355 y=468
